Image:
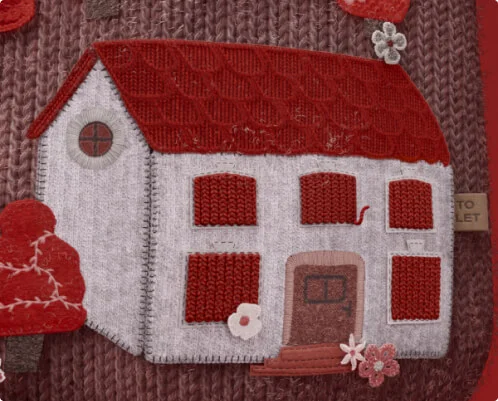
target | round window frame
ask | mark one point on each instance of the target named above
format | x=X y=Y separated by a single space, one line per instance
x=79 y=122
x=96 y=139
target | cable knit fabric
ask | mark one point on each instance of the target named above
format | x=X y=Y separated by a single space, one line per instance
x=415 y=288
x=85 y=365
x=410 y=205
x=328 y=198
x=218 y=283
x=225 y=200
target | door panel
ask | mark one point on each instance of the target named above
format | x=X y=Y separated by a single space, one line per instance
x=324 y=304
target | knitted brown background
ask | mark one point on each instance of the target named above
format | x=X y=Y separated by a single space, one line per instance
x=442 y=59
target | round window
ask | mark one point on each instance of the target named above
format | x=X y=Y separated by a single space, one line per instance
x=95 y=139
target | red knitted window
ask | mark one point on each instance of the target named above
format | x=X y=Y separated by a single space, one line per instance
x=224 y=200
x=328 y=198
x=415 y=287
x=218 y=283
x=95 y=139
x=410 y=205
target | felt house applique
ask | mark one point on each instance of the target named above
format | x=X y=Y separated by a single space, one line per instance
x=194 y=178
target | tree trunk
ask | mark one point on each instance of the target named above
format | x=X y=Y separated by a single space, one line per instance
x=22 y=353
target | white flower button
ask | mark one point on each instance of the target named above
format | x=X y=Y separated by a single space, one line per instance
x=388 y=44
x=245 y=322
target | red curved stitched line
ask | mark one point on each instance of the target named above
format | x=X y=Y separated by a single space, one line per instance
x=362 y=213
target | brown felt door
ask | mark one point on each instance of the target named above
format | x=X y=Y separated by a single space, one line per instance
x=324 y=304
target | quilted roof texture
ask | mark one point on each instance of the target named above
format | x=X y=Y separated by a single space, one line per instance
x=208 y=98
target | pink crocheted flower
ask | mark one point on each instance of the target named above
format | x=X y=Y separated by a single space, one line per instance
x=379 y=362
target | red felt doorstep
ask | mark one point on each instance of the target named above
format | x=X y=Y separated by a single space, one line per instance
x=487 y=388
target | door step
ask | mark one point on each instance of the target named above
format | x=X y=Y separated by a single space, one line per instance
x=304 y=360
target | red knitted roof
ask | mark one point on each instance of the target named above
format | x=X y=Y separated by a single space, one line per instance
x=208 y=98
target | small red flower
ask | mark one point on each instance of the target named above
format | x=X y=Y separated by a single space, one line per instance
x=379 y=362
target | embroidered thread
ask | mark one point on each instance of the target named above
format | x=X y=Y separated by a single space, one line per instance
x=390 y=10
x=225 y=200
x=218 y=283
x=415 y=287
x=329 y=198
x=410 y=205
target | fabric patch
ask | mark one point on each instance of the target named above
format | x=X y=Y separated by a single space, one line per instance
x=98 y=208
x=410 y=205
x=471 y=212
x=323 y=294
x=225 y=200
x=415 y=288
x=329 y=198
x=303 y=360
x=15 y=13
x=41 y=288
x=101 y=8
x=146 y=202
x=390 y=10
x=214 y=97
x=323 y=287
x=23 y=353
x=218 y=283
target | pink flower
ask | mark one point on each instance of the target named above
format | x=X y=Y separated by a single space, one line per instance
x=379 y=362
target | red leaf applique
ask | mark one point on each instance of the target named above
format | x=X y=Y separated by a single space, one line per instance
x=15 y=13
x=385 y=10
x=41 y=287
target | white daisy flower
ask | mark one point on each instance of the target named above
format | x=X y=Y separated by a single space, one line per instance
x=389 y=43
x=353 y=352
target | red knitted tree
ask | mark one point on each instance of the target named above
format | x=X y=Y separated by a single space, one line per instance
x=15 y=13
x=41 y=287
